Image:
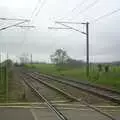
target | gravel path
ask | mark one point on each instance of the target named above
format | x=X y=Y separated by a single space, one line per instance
x=18 y=91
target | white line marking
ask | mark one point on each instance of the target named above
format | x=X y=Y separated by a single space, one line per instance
x=61 y=108
x=33 y=113
x=54 y=102
x=33 y=102
x=30 y=104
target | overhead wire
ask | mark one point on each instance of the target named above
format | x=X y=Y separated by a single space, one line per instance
x=43 y=3
x=73 y=9
x=86 y=8
x=15 y=19
x=35 y=9
x=103 y=16
x=79 y=5
x=12 y=25
x=35 y=12
x=89 y=6
x=31 y=18
x=106 y=15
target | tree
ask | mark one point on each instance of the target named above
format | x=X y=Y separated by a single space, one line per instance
x=99 y=67
x=75 y=63
x=106 y=68
x=59 y=57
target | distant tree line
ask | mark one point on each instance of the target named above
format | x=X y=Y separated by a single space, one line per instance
x=61 y=59
x=7 y=63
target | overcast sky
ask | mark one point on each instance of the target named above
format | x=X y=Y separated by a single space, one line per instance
x=41 y=42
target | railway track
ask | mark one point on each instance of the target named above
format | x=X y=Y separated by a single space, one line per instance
x=51 y=88
x=108 y=94
x=59 y=114
x=32 y=75
x=52 y=93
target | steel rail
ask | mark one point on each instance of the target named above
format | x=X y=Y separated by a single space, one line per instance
x=86 y=83
x=106 y=96
x=91 y=106
x=51 y=107
x=54 y=88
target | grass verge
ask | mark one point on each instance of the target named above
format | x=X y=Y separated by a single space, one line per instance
x=110 y=79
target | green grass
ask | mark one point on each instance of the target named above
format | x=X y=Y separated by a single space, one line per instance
x=110 y=79
x=46 y=68
x=3 y=84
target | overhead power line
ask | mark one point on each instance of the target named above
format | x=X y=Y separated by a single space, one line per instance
x=79 y=5
x=16 y=19
x=68 y=22
x=25 y=26
x=36 y=7
x=86 y=8
x=61 y=23
x=106 y=15
x=57 y=28
x=89 y=6
x=12 y=25
x=73 y=9
x=43 y=3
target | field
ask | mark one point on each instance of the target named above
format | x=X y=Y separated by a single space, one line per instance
x=3 y=83
x=5 y=75
x=111 y=79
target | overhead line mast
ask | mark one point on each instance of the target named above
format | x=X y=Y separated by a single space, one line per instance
x=85 y=33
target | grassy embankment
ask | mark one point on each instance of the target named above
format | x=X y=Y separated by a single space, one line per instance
x=110 y=79
x=5 y=77
x=3 y=83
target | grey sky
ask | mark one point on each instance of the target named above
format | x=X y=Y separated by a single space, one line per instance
x=41 y=42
